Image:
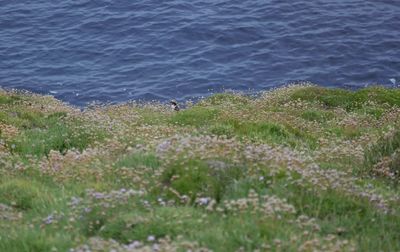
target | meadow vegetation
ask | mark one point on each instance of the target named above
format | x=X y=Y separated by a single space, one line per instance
x=298 y=168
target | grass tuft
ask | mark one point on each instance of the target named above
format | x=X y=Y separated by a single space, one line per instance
x=196 y=116
x=24 y=194
x=194 y=178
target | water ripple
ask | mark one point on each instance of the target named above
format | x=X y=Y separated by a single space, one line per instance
x=81 y=50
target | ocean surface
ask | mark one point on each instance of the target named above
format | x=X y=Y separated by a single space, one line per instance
x=113 y=51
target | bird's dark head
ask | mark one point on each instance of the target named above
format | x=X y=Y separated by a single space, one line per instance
x=174 y=105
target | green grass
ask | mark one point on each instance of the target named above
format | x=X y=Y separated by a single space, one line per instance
x=317 y=115
x=293 y=169
x=263 y=132
x=225 y=98
x=195 y=177
x=9 y=99
x=25 y=119
x=159 y=223
x=385 y=146
x=348 y=99
x=24 y=194
x=34 y=240
x=395 y=164
x=196 y=116
x=42 y=133
x=58 y=137
x=355 y=216
x=138 y=159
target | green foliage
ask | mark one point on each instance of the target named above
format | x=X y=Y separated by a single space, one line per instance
x=225 y=99
x=41 y=132
x=196 y=116
x=317 y=115
x=330 y=204
x=346 y=132
x=57 y=136
x=328 y=97
x=263 y=131
x=196 y=177
x=345 y=216
x=139 y=159
x=24 y=194
x=151 y=117
x=122 y=227
x=240 y=188
x=246 y=230
x=163 y=221
x=348 y=99
x=9 y=99
x=93 y=221
x=25 y=119
x=377 y=113
x=379 y=95
x=219 y=234
x=395 y=163
x=385 y=146
x=33 y=240
x=300 y=154
x=221 y=129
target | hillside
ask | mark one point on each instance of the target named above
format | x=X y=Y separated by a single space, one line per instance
x=299 y=168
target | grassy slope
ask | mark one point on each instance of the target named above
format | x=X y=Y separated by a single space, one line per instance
x=301 y=168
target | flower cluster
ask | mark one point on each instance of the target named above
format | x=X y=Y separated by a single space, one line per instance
x=97 y=244
x=270 y=206
x=103 y=199
x=261 y=159
x=328 y=243
x=8 y=213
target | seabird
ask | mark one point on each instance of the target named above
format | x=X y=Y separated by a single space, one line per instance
x=174 y=105
x=393 y=81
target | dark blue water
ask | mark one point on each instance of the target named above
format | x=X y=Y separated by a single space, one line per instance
x=82 y=51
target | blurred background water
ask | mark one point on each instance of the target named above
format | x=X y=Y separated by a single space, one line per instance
x=82 y=50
